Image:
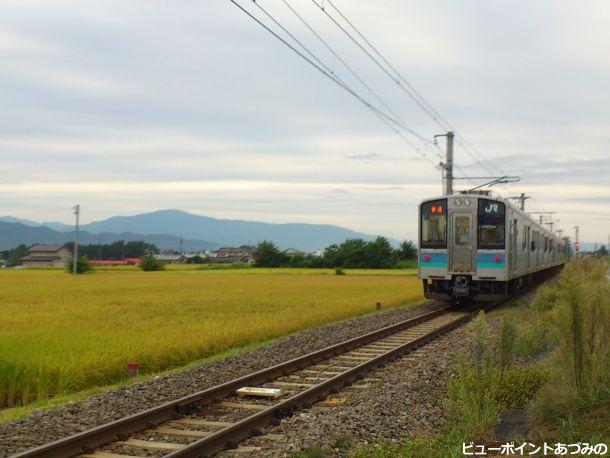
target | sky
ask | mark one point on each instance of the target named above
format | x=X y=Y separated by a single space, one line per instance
x=129 y=107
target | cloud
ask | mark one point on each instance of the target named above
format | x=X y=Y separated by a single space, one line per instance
x=134 y=106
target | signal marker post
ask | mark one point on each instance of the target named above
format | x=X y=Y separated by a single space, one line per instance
x=75 y=263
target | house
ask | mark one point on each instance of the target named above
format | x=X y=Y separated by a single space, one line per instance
x=46 y=256
x=227 y=255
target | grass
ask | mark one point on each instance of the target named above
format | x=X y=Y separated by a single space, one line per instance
x=552 y=357
x=61 y=334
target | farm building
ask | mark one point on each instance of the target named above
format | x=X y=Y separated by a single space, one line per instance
x=230 y=255
x=46 y=256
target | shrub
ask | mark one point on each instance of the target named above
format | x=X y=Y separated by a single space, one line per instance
x=471 y=393
x=546 y=298
x=339 y=271
x=506 y=347
x=580 y=324
x=150 y=263
x=82 y=265
x=518 y=386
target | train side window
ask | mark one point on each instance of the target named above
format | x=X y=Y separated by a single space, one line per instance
x=434 y=224
x=524 y=242
x=533 y=244
x=491 y=224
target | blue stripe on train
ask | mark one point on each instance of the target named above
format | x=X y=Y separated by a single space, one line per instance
x=433 y=259
x=490 y=260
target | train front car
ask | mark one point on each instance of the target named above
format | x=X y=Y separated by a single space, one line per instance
x=462 y=240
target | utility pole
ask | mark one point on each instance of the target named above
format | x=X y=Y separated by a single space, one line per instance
x=521 y=199
x=576 y=241
x=181 y=245
x=447 y=166
x=75 y=263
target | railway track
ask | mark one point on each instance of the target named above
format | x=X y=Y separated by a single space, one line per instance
x=217 y=418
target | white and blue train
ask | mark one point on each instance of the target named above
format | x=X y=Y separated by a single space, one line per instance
x=475 y=246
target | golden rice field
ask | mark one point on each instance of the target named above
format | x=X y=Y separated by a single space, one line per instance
x=61 y=334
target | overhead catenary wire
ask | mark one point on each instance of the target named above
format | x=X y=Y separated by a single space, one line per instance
x=403 y=84
x=326 y=71
x=351 y=70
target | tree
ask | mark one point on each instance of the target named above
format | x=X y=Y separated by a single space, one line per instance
x=116 y=250
x=603 y=251
x=267 y=254
x=82 y=265
x=357 y=253
x=380 y=254
x=407 y=251
x=13 y=257
x=196 y=260
x=150 y=263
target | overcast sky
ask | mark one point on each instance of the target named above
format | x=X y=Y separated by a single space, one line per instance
x=133 y=106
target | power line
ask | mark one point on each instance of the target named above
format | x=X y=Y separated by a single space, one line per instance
x=323 y=68
x=352 y=71
x=404 y=84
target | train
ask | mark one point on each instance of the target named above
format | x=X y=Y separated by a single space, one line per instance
x=475 y=246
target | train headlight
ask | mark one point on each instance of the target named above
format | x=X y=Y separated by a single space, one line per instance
x=467 y=202
x=458 y=202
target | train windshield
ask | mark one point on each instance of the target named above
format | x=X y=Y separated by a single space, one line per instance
x=434 y=224
x=492 y=220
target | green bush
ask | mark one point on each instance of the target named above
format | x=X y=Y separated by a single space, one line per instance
x=518 y=386
x=339 y=271
x=471 y=393
x=579 y=323
x=150 y=263
x=82 y=265
x=547 y=297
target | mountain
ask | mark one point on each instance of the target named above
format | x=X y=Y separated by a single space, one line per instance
x=51 y=224
x=195 y=229
x=13 y=234
x=306 y=237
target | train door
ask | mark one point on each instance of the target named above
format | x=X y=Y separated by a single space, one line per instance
x=527 y=247
x=513 y=246
x=462 y=246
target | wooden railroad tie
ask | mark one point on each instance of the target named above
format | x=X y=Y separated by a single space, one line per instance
x=152 y=445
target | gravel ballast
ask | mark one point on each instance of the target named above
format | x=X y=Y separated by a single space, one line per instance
x=402 y=399
x=44 y=426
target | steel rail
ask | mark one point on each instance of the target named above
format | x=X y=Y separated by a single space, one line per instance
x=87 y=441
x=228 y=438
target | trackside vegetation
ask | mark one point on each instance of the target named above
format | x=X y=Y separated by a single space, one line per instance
x=62 y=333
x=550 y=357
x=353 y=253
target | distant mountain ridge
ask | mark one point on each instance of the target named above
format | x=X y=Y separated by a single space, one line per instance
x=50 y=224
x=197 y=230
x=13 y=234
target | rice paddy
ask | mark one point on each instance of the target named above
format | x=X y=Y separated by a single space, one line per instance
x=61 y=334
